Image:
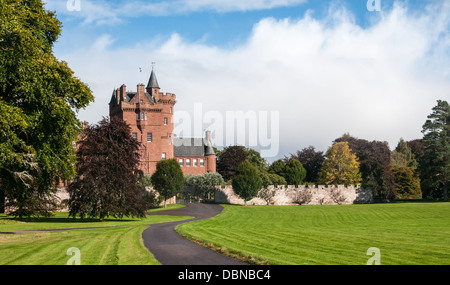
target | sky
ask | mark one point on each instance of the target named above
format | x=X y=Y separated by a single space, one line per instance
x=274 y=75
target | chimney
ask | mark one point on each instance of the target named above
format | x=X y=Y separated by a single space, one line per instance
x=141 y=91
x=123 y=92
x=208 y=135
x=117 y=96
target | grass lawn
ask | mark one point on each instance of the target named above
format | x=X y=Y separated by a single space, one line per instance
x=118 y=245
x=405 y=233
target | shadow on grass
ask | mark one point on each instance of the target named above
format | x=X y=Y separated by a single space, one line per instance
x=56 y=218
x=68 y=220
x=417 y=201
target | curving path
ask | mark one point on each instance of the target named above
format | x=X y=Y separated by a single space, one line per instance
x=169 y=248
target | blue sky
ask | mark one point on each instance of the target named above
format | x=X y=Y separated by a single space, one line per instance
x=327 y=67
x=209 y=25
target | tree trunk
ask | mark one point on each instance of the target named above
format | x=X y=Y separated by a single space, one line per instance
x=2 y=201
x=165 y=203
x=445 y=193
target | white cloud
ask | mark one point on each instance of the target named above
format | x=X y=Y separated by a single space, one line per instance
x=325 y=77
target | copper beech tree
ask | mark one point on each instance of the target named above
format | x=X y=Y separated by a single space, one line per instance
x=107 y=182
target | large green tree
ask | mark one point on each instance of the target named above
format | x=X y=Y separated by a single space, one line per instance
x=247 y=181
x=435 y=164
x=39 y=101
x=107 y=182
x=168 y=179
x=311 y=160
x=294 y=172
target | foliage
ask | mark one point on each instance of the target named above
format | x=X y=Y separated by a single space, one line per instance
x=375 y=165
x=435 y=165
x=168 y=179
x=228 y=161
x=402 y=156
x=416 y=147
x=341 y=166
x=203 y=185
x=294 y=172
x=144 y=180
x=407 y=183
x=312 y=162
x=107 y=184
x=255 y=158
x=39 y=98
x=247 y=181
x=278 y=167
x=272 y=179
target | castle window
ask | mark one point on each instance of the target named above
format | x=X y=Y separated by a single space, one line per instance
x=163 y=155
x=149 y=137
x=202 y=162
x=195 y=161
x=188 y=162
x=181 y=161
x=165 y=121
x=142 y=116
x=138 y=116
x=134 y=136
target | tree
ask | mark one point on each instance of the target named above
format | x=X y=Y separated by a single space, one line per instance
x=278 y=167
x=247 y=181
x=203 y=185
x=375 y=165
x=407 y=184
x=294 y=172
x=311 y=160
x=39 y=99
x=168 y=179
x=341 y=166
x=404 y=166
x=435 y=168
x=402 y=156
x=255 y=158
x=107 y=182
x=230 y=158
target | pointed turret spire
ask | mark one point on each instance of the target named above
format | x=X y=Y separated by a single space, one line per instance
x=152 y=82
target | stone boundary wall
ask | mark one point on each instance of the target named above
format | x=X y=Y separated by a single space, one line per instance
x=291 y=195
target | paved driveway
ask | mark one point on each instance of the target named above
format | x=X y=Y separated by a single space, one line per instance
x=169 y=248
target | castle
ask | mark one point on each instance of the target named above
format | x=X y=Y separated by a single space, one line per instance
x=149 y=113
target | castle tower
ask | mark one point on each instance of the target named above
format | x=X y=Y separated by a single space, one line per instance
x=149 y=113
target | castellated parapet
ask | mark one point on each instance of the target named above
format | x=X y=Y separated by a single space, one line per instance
x=303 y=194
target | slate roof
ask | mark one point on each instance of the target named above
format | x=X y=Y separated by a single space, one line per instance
x=188 y=147
x=152 y=82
